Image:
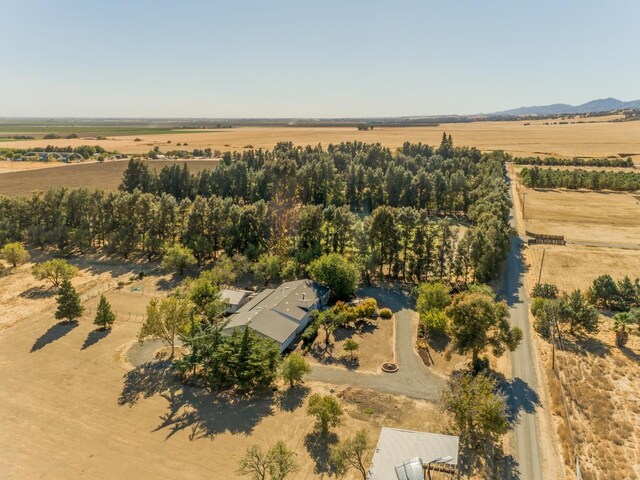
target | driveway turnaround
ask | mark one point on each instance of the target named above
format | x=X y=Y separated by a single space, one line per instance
x=413 y=379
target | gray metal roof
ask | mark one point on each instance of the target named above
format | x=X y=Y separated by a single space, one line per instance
x=233 y=296
x=397 y=450
x=277 y=313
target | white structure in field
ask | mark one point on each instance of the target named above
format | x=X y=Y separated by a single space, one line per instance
x=281 y=313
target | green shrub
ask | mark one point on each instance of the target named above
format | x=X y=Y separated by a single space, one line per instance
x=385 y=313
x=310 y=333
x=434 y=320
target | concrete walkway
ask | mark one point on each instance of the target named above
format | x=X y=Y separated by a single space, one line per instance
x=413 y=379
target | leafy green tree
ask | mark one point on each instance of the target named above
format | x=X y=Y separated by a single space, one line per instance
x=294 y=367
x=329 y=321
x=434 y=320
x=432 y=295
x=337 y=273
x=14 y=253
x=205 y=295
x=546 y=313
x=351 y=347
x=479 y=414
x=278 y=462
x=352 y=453
x=326 y=409
x=604 y=292
x=55 y=271
x=545 y=290
x=578 y=314
x=251 y=361
x=478 y=322
x=620 y=322
x=69 y=306
x=282 y=461
x=104 y=315
x=178 y=257
x=166 y=319
x=267 y=267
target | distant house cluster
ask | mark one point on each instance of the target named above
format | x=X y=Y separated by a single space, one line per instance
x=280 y=313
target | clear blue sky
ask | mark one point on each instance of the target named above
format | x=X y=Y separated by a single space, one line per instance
x=325 y=58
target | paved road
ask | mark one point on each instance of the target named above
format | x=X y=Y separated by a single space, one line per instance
x=523 y=395
x=413 y=379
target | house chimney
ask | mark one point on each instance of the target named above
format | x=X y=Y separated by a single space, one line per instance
x=303 y=295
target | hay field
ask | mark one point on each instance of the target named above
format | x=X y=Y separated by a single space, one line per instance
x=590 y=139
x=574 y=266
x=107 y=175
x=583 y=216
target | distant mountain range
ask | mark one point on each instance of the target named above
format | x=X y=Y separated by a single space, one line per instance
x=594 y=106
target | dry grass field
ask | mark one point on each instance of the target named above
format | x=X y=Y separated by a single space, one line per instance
x=73 y=406
x=107 y=175
x=595 y=138
x=583 y=216
x=8 y=167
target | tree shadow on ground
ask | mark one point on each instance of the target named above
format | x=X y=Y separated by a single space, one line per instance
x=147 y=380
x=586 y=345
x=518 y=395
x=55 y=332
x=94 y=337
x=490 y=461
x=292 y=398
x=318 y=445
x=364 y=328
x=166 y=285
x=198 y=410
x=206 y=414
x=630 y=354
x=438 y=341
x=324 y=356
x=38 y=291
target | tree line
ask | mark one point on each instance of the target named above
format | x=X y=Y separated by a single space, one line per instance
x=574 y=179
x=575 y=162
x=293 y=216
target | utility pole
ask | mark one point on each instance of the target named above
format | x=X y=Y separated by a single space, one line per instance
x=541 y=263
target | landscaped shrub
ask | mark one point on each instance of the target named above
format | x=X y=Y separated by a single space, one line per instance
x=385 y=313
x=434 y=320
x=310 y=333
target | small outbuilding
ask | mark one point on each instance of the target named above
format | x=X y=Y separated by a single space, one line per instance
x=234 y=299
x=410 y=455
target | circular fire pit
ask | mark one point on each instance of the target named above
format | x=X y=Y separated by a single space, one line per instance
x=389 y=367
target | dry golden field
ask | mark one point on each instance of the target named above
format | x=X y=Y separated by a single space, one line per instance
x=107 y=175
x=596 y=138
x=583 y=216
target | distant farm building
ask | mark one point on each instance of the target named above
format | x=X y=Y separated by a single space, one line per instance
x=280 y=313
x=410 y=455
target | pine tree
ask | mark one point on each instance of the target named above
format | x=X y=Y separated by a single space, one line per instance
x=69 y=307
x=104 y=315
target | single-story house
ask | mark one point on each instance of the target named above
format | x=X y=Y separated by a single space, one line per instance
x=409 y=455
x=234 y=299
x=280 y=313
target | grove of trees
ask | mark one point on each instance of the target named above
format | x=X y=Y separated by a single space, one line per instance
x=418 y=214
x=574 y=179
x=575 y=162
